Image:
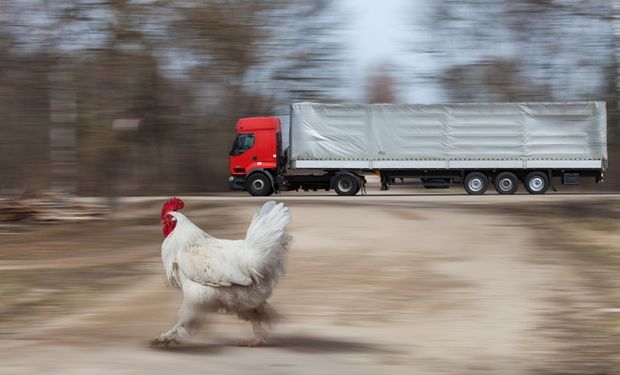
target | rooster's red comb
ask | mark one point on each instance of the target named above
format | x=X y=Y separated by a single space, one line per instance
x=173 y=204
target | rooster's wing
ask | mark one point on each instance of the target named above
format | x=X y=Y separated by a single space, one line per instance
x=214 y=262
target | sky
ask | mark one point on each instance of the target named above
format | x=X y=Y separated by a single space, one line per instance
x=383 y=33
x=376 y=29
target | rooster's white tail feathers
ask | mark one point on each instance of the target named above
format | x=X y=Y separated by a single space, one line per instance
x=266 y=242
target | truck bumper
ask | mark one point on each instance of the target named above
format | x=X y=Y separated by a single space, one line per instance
x=236 y=182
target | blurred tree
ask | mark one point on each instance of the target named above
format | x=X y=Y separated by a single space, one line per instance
x=542 y=50
x=381 y=86
x=185 y=71
x=498 y=80
x=304 y=60
x=24 y=106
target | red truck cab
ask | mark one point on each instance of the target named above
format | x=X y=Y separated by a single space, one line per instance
x=254 y=157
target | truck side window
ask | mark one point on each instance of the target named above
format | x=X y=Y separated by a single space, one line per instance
x=242 y=143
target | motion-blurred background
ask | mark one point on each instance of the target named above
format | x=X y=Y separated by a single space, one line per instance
x=132 y=97
x=118 y=98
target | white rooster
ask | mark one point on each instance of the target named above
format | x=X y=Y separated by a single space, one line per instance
x=234 y=276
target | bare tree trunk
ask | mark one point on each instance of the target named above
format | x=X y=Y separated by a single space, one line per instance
x=63 y=137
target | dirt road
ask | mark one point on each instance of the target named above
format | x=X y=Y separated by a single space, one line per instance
x=377 y=284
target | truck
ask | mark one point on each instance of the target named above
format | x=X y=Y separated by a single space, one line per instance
x=335 y=146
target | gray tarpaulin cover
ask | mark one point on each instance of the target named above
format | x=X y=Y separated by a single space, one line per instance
x=551 y=131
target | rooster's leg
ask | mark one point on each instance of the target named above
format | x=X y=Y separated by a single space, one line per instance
x=260 y=318
x=188 y=321
x=260 y=334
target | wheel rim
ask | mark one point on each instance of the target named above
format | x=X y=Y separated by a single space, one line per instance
x=506 y=184
x=258 y=185
x=345 y=185
x=475 y=184
x=536 y=183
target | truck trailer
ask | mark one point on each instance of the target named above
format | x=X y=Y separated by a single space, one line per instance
x=333 y=146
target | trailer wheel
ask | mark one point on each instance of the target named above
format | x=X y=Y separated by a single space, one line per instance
x=476 y=183
x=536 y=182
x=346 y=184
x=259 y=185
x=506 y=183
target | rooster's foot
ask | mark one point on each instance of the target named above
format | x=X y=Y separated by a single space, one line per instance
x=253 y=343
x=162 y=341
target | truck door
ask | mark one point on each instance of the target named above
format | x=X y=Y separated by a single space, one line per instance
x=243 y=153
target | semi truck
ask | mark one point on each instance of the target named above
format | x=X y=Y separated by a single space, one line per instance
x=503 y=145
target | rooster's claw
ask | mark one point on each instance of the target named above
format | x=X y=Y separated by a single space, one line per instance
x=160 y=341
x=252 y=343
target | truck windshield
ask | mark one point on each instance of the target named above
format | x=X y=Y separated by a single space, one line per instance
x=242 y=143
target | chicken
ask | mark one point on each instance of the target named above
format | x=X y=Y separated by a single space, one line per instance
x=232 y=276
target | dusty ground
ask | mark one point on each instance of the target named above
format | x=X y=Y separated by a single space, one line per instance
x=435 y=284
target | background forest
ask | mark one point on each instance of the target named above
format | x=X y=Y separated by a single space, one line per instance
x=134 y=97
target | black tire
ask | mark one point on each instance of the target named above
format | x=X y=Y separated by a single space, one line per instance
x=476 y=183
x=259 y=185
x=506 y=183
x=536 y=182
x=346 y=184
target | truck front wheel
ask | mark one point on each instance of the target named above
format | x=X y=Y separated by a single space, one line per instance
x=259 y=185
x=346 y=184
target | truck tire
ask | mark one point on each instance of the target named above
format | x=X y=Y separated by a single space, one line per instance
x=536 y=182
x=506 y=183
x=476 y=183
x=259 y=185
x=346 y=184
